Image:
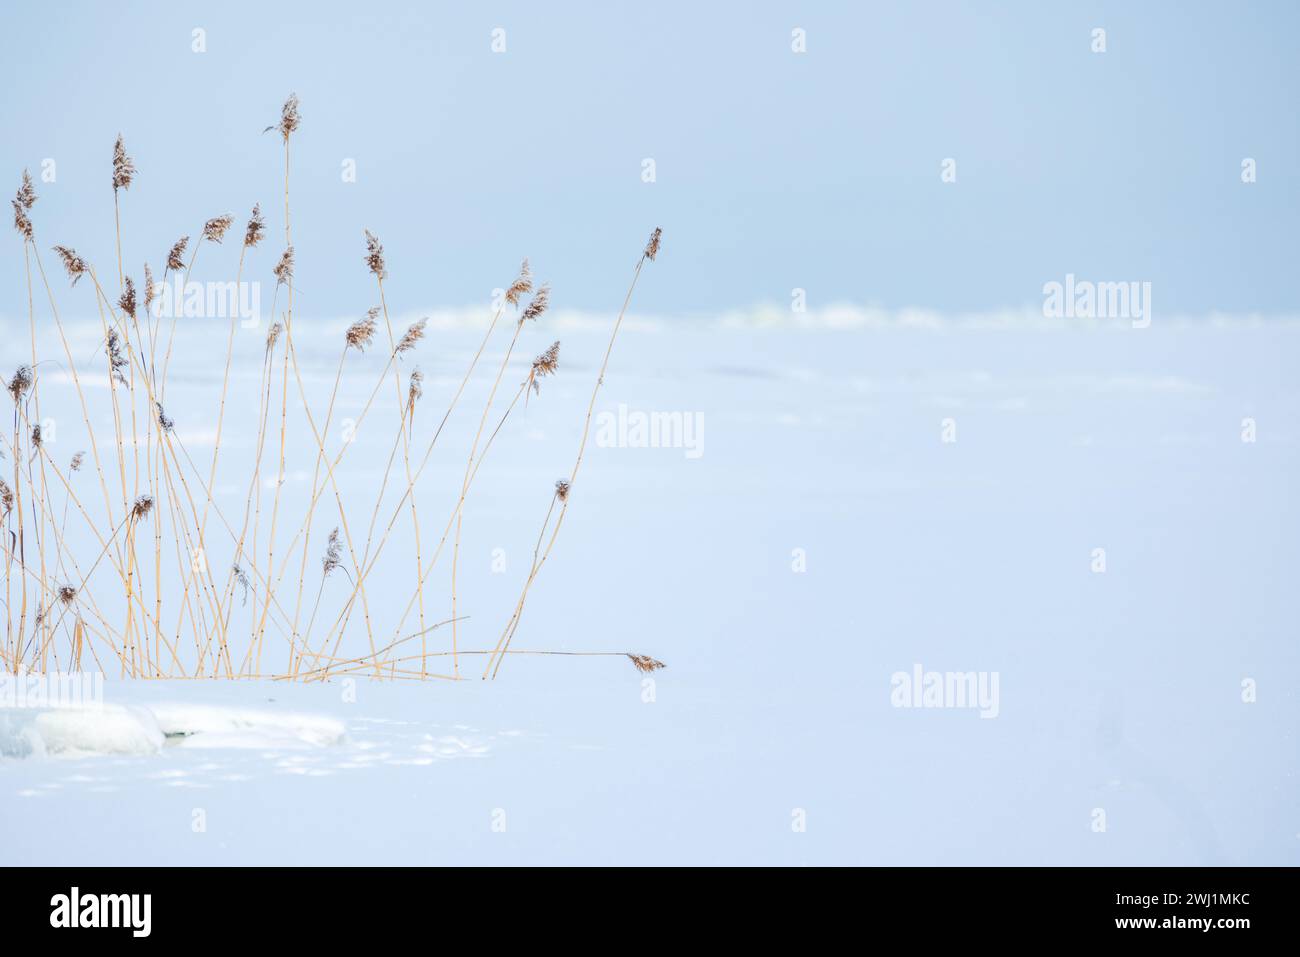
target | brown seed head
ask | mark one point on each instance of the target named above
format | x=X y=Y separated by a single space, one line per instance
x=67 y=594
x=127 y=303
x=289 y=118
x=256 y=226
x=117 y=363
x=36 y=437
x=521 y=286
x=362 y=332
x=22 y=222
x=142 y=507
x=74 y=264
x=544 y=365
x=123 y=168
x=333 y=553
x=645 y=664
x=148 y=287
x=214 y=229
x=175 y=262
x=415 y=391
x=375 y=255
x=77 y=459
x=273 y=336
x=537 y=305
x=412 y=336
x=562 y=487
x=20 y=383
x=165 y=421
x=652 y=247
x=6 y=498
x=284 y=268
x=26 y=197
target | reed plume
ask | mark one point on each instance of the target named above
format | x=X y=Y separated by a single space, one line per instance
x=544 y=365
x=20 y=383
x=412 y=336
x=76 y=266
x=362 y=332
x=289 y=117
x=123 y=167
x=176 y=256
x=522 y=286
x=142 y=507
x=284 y=268
x=644 y=663
x=256 y=227
x=537 y=305
x=214 y=230
x=375 y=256
x=127 y=301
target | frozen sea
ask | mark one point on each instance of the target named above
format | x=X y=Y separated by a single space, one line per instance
x=820 y=537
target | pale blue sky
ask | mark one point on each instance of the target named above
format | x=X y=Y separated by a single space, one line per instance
x=775 y=170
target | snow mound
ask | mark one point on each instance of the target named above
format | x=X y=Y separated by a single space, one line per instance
x=132 y=729
x=115 y=729
x=206 y=726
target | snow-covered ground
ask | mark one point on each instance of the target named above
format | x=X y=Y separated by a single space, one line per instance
x=1118 y=691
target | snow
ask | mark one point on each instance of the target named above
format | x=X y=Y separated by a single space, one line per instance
x=1119 y=691
x=78 y=732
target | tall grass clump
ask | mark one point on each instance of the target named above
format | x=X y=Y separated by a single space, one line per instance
x=123 y=557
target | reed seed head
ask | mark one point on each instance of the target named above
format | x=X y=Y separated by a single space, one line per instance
x=142 y=507
x=241 y=577
x=362 y=332
x=375 y=255
x=256 y=227
x=415 y=390
x=165 y=421
x=273 y=335
x=544 y=365
x=123 y=168
x=148 y=287
x=289 y=118
x=6 y=498
x=117 y=363
x=26 y=197
x=20 y=383
x=521 y=286
x=67 y=594
x=74 y=264
x=215 y=229
x=175 y=260
x=127 y=303
x=37 y=438
x=645 y=664
x=23 y=201
x=22 y=222
x=412 y=336
x=77 y=460
x=333 y=553
x=284 y=268
x=537 y=305
x=562 y=487
x=652 y=247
